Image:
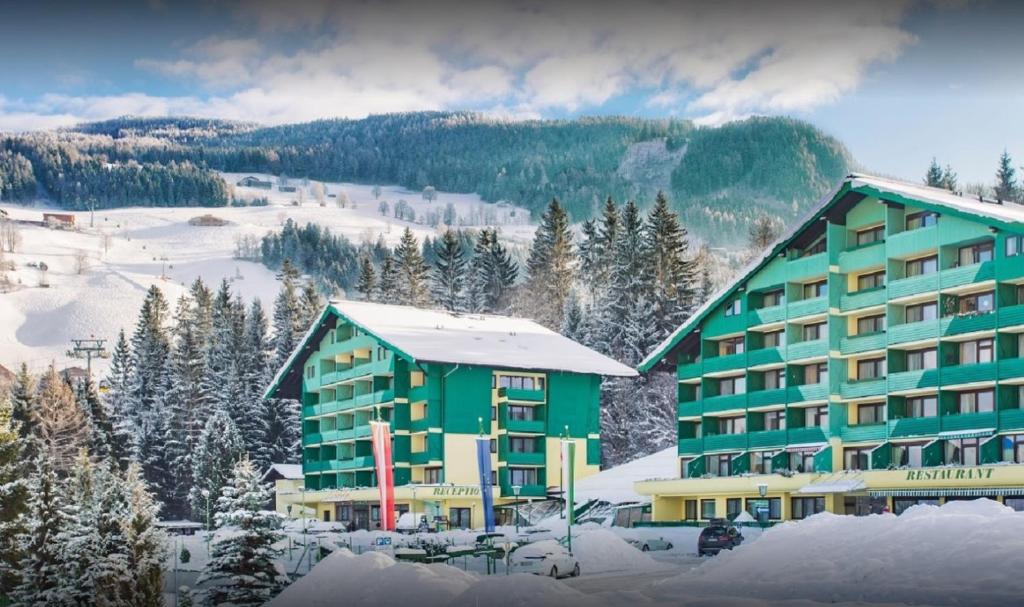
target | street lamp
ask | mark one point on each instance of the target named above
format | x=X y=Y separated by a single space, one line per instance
x=515 y=491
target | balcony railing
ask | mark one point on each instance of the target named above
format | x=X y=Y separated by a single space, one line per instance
x=724 y=402
x=808 y=392
x=970 y=373
x=863 y=299
x=913 y=380
x=862 y=343
x=807 y=307
x=965 y=275
x=763 y=398
x=807 y=349
x=724 y=363
x=905 y=287
x=862 y=388
x=915 y=331
x=523 y=395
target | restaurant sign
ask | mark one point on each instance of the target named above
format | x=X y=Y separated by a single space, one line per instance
x=462 y=491
x=950 y=474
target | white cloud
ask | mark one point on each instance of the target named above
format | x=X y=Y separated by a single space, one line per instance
x=303 y=60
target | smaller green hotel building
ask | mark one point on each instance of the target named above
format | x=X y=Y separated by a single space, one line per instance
x=871 y=360
x=440 y=379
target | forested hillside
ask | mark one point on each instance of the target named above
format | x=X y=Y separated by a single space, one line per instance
x=719 y=177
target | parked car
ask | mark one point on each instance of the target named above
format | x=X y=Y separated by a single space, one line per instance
x=646 y=545
x=547 y=557
x=412 y=522
x=717 y=536
x=498 y=542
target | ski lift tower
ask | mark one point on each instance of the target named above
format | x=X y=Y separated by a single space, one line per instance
x=88 y=349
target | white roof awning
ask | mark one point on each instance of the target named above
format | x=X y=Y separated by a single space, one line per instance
x=952 y=434
x=836 y=486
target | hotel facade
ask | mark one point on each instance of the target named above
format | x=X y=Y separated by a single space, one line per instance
x=871 y=360
x=441 y=380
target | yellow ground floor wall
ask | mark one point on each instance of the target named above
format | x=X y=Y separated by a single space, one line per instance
x=553 y=446
x=669 y=497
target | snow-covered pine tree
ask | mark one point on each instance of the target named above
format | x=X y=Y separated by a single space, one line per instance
x=574 y=323
x=551 y=268
x=78 y=538
x=367 y=284
x=286 y=316
x=24 y=400
x=145 y=544
x=60 y=425
x=933 y=177
x=282 y=433
x=13 y=496
x=104 y=441
x=1006 y=180
x=310 y=304
x=150 y=348
x=256 y=374
x=492 y=274
x=119 y=393
x=243 y=569
x=151 y=448
x=672 y=274
x=387 y=287
x=628 y=282
x=220 y=353
x=220 y=447
x=40 y=568
x=449 y=274
x=412 y=274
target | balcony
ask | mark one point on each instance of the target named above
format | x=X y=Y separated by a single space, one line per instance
x=525 y=491
x=725 y=442
x=689 y=409
x=968 y=374
x=958 y=325
x=1011 y=419
x=807 y=267
x=525 y=426
x=418 y=394
x=862 y=343
x=1010 y=268
x=808 y=307
x=914 y=426
x=1011 y=316
x=913 y=380
x=724 y=363
x=766 y=438
x=969 y=421
x=516 y=458
x=725 y=402
x=420 y=425
x=365 y=368
x=763 y=398
x=863 y=388
x=1011 y=368
x=810 y=392
x=912 y=242
x=521 y=395
x=862 y=256
x=915 y=285
x=764 y=316
x=688 y=446
x=915 y=331
x=862 y=299
x=764 y=356
x=807 y=349
x=688 y=370
x=805 y=436
x=978 y=272
x=864 y=433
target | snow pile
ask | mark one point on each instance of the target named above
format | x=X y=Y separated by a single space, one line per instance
x=964 y=553
x=522 y=591
x=615 y=485
x=600 y=550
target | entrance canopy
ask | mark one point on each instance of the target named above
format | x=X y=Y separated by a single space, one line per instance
x=948 y=492
x=955 y=434
x=837 y=486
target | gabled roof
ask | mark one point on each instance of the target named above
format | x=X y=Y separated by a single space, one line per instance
x=438 y=336
x=290 y=472
x=1003 y=215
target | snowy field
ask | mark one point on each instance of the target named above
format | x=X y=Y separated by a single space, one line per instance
x=964 y=553
x=131 y=249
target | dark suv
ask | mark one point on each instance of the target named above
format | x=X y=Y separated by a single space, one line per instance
x=719 y=535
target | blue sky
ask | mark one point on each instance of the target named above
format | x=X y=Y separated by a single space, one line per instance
x=897 y=81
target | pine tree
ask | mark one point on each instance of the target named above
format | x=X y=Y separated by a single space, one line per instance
x=1006 y=179
x=949 y=179
x=550 y=266
x=933 y=177
x=492 y=274
x=40 y=568
x=367 y=285
x=763 y=232
x=13 y=496
x=671 y=273
x=61 y=426
x=412 y=274
x=573 y=325
x=282 y=433
x=387 y=288
x=78 y=538
x=449 y=275
x=629 y=286
x=145 y=545
x=219 y=447
x=243 y=568
x=119 y=380
x=287 y=316
x=310 y=304
x=24 y=401
x=104 y=441
x=150 y=347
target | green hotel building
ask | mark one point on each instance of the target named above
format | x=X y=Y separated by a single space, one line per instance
x=872 y=359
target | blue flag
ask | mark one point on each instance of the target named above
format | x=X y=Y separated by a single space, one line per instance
x=483 y=460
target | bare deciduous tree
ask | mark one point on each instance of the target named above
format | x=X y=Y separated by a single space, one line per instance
x=81 y=261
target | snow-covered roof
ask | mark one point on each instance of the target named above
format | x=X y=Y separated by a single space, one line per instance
x=287 y=471
x=615 y=485
x=440 y=336
x=1007 y=214
x=833 y=486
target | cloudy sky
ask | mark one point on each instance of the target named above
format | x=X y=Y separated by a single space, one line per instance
x=898 y=81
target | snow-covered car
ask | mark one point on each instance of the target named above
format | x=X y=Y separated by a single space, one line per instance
x=535 y=534
x=545 y=558
x=649 y=544
x=412 y=522
x=496 y=541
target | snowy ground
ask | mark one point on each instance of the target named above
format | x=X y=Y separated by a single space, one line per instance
x=128 y=250
x=964 y=553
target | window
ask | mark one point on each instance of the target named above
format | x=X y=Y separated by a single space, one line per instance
x=814 y=331
x=775 y=339
x=494 y=445
x=871 y=324
x=909 y=455
x=460 y=518
x=922 y=312
x=1013 y=448
x=975 y=253
x=1014 y=246
x=521 y=413
x=707 y=509
x=926 y=358
x=765 y=508
x=775 y=420
x=874 y=280
x=522 y=476
x=802 y=461
x=806 y=506
x=976 y=303
x=900 y=504
x=816 y=417
x=494 y=477
x=870 y=235
x=382 y=353
x=732 y=345
x=922 y=219
x=979 y=351
x=816 y=374
x=814 y=249
x=922 y=265
x=344 y=512
x=416 y=379
x=684 y=467
x=977 y=401
x=856 y=458
x=1015 y=503
x=922 y=406
x=816 y=289
x=733 y=505
x=521 y=382
x=871 y=413
x=720 y=464
x=776 y=297
x=522 y=444
x=732 y=385
x=871 y=368
x=762 y=462
x=774 y=379
x=310 y=371
x=690 y=510
x=732 y=425
x=327 y=516
x=432 y=476
x=962 y=451
x=494 y=413
x=733 y=308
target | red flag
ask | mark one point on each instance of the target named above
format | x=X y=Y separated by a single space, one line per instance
x=381 y=436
